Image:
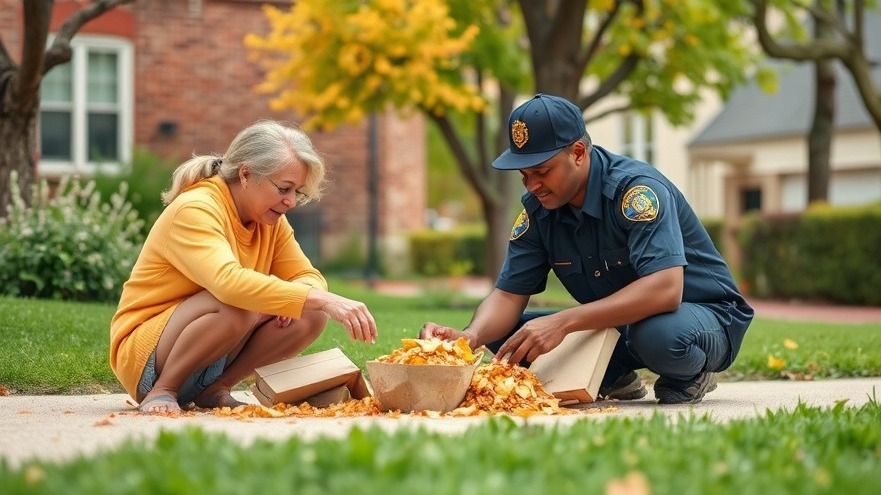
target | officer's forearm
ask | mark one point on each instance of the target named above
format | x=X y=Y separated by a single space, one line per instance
x=495 y=317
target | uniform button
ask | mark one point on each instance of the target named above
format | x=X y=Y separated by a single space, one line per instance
x=596 y=273
x=619 y=262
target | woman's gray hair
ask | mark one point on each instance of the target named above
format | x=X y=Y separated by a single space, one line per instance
x=266 y=147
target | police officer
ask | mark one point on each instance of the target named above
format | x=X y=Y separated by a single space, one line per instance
x=626 y=245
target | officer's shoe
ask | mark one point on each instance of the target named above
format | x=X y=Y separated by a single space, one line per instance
x=671 y=391
x=628 y=387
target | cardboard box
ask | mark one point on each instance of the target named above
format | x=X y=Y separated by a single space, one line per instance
x=573 y=371
x=317 y=376
x=422 y=387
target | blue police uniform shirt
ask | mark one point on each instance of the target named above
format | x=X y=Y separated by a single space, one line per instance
x=633 y=222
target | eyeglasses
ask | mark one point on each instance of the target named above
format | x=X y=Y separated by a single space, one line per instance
x=299 y=197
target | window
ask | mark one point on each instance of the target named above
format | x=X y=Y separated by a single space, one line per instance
x=637 y=137
x=86 y=108
x=750 y=199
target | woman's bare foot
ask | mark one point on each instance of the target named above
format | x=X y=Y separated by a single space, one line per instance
x=159 y=403
x=216 y=398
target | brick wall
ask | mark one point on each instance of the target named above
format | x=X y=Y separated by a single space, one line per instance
x=192 y=74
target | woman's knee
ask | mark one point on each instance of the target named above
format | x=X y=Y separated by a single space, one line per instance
x=236 y=318
x=312 y=323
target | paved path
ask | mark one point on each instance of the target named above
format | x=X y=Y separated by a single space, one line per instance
x=55 y=427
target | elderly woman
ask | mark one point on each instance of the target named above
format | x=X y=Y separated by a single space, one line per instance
x=221 y=286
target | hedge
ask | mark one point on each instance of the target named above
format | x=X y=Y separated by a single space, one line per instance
x=448 y=253
x=825 y=253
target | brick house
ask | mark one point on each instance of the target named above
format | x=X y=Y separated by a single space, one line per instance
x=173 y=77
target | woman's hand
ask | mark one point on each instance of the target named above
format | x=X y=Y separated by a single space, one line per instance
x=353 y=315
x=280 y=321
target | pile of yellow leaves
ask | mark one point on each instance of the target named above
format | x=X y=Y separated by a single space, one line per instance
x=500 y=387
x=431 y=351
x=367 y=406
x=495 y=388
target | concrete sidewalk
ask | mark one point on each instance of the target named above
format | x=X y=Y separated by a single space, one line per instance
x=58 y=427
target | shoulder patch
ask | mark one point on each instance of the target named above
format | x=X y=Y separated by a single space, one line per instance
x=640 y=204
x=521 y=225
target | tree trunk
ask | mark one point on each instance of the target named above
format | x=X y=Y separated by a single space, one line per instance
x=18 y=135
x=820 y=136
x=822 y=127
x=499 y=218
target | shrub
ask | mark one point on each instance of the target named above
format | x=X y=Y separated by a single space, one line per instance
x=716 y=228
x=826 y=253
x=69 y=245
x=147 y=176
x=453 y=253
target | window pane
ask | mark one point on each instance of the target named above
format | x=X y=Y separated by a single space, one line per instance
x=55 y=135
x=103 y=140
x=57 y=86
x=102 y=78
x=751 y=200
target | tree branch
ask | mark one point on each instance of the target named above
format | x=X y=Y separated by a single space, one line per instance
x=60 y=51
x=815 y=50
x=535 y=17
x=862 y=77
x=5 y=59
x=627 y=66
x=480 y=134
x=466 y=165
x=858 y=18
x=587 y=55
x=606 y=113
x=26 y=86
x=567 y=24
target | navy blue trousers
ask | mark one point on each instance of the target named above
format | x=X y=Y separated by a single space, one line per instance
x=678 y=345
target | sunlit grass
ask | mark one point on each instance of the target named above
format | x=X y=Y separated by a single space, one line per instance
x=809 y=450
x=62 y=347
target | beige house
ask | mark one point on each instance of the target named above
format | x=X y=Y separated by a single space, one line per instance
x=750 y=153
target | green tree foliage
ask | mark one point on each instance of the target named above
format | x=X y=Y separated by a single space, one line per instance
x=335 y=61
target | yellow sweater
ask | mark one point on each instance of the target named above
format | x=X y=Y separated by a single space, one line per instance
x=199 y=243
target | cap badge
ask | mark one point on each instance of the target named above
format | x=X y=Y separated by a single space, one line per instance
x=519 y=133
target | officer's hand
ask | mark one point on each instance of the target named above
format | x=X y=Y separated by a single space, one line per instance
x=434 y=331
x=534 y=338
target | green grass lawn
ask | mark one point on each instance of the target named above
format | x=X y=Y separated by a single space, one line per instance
x=805 y=451
x=61 y=347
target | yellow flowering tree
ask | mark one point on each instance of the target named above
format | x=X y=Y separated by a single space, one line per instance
x=337 y=61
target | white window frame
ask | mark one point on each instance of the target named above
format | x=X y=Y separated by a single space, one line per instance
x=80 y=164
x=641 y=147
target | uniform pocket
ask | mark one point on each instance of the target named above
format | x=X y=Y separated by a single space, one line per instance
x=616 y=258
x=566 y=267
